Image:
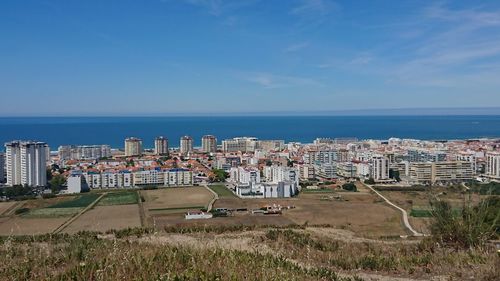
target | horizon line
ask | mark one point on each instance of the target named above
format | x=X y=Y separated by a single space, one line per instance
x=436 y=111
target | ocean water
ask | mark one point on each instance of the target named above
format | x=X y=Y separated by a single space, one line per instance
x=113 y=130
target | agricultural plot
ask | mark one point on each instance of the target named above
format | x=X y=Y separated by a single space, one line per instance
x=29 y=226
x=5 y=207
x=80 y=201
x=119 y=198
x=52 y=212
x=62 y=208
x=176 y=198
x=103 y=218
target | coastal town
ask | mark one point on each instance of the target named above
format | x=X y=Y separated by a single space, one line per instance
x=251 y=168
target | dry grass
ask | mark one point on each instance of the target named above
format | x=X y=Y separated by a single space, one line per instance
x=176 y=197
x=6 y=206
x=86 y=257
x=29 y=226
x=255 y=254
x=103 y=218
x=358 y=211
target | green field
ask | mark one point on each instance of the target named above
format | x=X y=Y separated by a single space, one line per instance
x=80 y=201
x=119 y=198
x=222 y=191
x=52 y=212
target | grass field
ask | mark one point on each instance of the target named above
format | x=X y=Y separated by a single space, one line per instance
x=52 y=212
x=80 y=201
x=222 y=191
x=119 y=198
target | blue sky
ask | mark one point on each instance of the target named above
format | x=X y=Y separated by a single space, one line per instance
x=161 y=57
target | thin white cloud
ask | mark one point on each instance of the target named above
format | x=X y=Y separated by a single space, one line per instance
x=313 y=11
x=221 y=7
x=361 y=59
x=453 y=48
x=272 y=81
x=296 y=47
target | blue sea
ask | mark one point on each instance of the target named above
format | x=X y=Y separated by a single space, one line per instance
x=113 y=130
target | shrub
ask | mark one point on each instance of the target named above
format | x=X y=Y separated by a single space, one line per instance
x=470 y=228
x=21 y=211
x=349 y=186
x=370 y=181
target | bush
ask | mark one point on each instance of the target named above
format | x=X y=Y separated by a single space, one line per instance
x=21 y=211
x=349 y=186
x=48 y=195
x=370 y=181
x=471 y=228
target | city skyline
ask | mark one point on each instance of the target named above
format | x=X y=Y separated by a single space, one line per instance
x=167 y=57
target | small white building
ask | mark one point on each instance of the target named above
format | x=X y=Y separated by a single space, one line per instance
x=76 y=183
x=267 y=190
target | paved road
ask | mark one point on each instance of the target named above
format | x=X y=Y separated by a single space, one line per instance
x=403 y=211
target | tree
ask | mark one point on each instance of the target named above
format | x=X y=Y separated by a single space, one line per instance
x=349 y=187
x=56 y=183
x=394 y=174
x=370 y=181
x=220 y=175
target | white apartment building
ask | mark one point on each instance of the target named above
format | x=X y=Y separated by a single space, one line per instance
x=326 y=171
x=161 y=146
x=267 y=190
x=133 y=147
x=243 y=144
x=244 y=175
x=493 y=165
x=127 y=179
x=275 y=174
x=26 y=163
x=440 y=172
x=148 y=177
x=468 y=157
x=380 y=168
x=307 y=172
x=271 y=145
x=319 y=157
x=121 y=179
x=346 y=169
x=209 y=144
x=2 y=167
x=186 y=145
x=83 y=152
x=363 y=169
x=178 y=177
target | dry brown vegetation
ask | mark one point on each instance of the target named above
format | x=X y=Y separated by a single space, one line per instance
x=225 y=253
x=103 y=218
